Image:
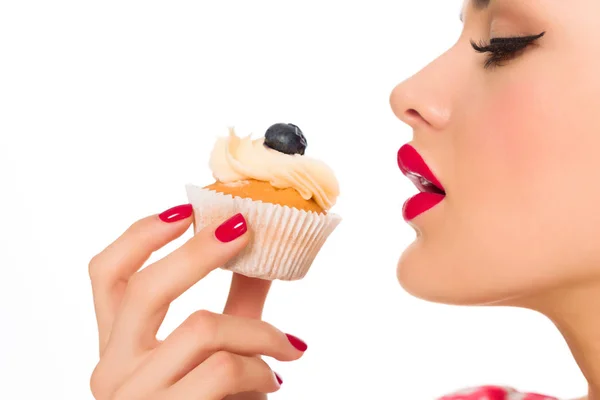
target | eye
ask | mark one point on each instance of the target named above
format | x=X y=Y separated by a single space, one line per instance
x=504 y=48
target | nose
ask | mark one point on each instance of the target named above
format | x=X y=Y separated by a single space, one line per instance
x=424 y=100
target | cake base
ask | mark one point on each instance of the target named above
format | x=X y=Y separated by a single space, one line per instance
x=265 y=192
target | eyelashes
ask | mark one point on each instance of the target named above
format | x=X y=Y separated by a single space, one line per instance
x=504 y=49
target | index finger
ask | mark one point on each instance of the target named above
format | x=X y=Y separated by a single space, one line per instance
x=155 y=287
x=111 y=269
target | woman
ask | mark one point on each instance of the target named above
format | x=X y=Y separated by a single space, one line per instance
x=504 y=150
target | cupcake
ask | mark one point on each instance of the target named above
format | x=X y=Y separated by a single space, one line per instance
x=284 y=195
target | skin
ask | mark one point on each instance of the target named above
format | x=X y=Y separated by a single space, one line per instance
x=209 y=356
x=515 y=147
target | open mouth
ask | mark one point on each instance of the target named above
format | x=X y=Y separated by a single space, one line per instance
x=424 y=184
x=431 y=190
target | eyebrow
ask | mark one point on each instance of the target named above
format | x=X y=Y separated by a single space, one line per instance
x=479 y=5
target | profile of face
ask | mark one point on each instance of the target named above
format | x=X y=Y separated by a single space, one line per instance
x=508 y=121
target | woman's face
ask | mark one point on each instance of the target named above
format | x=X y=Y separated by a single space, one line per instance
x=516 y=147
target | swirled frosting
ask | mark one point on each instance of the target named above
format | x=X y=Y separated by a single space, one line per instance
x=242 y=158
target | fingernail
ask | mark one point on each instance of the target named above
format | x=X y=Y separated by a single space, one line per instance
x=297 y=343
x=279 y=380
x=231 y=229
x=176 y=213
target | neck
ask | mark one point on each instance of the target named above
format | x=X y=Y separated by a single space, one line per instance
x=575 y=311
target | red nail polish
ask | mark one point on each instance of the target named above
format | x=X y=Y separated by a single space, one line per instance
x=279 y=380
x=176 y=213
x=297 y=343
x=231 y=229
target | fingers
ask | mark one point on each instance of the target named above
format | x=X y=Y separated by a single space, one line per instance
x=225 y=374
x=111 y=269
x=205 y=333
x=151 y=290
x=247 y=296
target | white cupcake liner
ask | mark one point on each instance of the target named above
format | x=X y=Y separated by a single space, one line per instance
x=284 y=240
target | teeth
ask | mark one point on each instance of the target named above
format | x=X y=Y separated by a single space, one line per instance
x=423 y=181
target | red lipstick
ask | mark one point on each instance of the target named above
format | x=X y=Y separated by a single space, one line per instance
x=431 y=190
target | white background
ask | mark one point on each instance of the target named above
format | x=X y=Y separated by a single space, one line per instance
x=107 y=109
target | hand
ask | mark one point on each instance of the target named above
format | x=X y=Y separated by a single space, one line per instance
x=208 y=357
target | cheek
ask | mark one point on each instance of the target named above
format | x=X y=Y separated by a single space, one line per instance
x=516 y=139
x=541 y=149
x=525 y=166
x=537 y=125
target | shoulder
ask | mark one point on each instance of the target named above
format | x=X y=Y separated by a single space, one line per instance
x=494 y=393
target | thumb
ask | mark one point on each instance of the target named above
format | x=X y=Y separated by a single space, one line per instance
x=247 y=296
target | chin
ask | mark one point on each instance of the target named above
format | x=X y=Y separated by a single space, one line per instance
x=431 y=274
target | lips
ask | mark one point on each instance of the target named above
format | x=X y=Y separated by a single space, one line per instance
x=431 y=190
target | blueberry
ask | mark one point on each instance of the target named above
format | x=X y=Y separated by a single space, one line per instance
x=285 y=138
